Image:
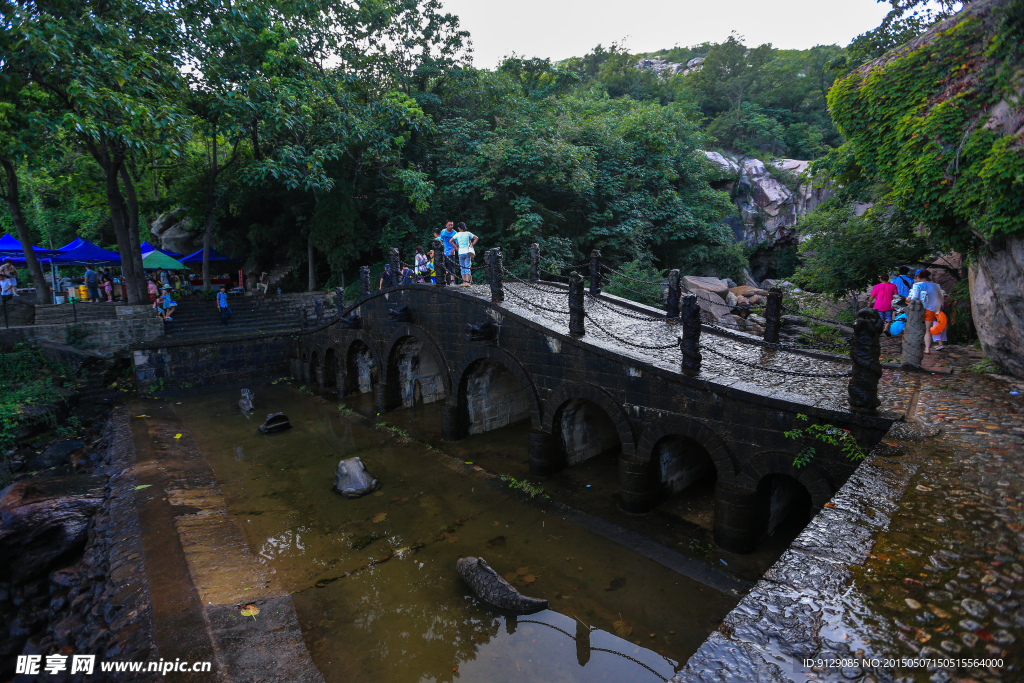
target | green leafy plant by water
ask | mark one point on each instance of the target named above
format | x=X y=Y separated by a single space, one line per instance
x=828 y=434
x=526 y=487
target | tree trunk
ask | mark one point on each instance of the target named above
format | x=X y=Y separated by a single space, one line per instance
x=207 y=245
x=10 y=195
x=312 y=263
x=119 y=219
x=133 y=233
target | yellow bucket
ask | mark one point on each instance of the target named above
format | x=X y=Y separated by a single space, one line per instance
x=83 y=292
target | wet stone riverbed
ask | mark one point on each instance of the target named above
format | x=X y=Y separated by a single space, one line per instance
x=373 y=579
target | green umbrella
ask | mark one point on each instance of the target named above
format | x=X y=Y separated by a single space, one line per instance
x=155 y=260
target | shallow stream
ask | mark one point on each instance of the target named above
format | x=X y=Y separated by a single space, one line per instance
x=374 y=581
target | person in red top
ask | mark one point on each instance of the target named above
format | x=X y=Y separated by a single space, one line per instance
x=881 y=299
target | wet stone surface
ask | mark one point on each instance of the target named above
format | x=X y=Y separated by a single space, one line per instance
x=616 y=328
x=919 y=556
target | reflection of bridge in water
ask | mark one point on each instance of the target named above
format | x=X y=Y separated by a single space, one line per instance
x=512 y=351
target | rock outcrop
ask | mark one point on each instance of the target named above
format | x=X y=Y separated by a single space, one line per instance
x=997 y=301
x=171 y=229
x=770 y=199
x=19 y=310
x=665 y=68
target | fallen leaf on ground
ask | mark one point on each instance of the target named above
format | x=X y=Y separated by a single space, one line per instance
x=177 y=436
x=142 y=486
x=251 y=611
x=529 y=578
x=511 y=577
x=379 y=517
x=523 y=571
x=622 y=629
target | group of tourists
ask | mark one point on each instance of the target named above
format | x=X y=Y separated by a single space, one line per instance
x=889 y=294
x=459 y=246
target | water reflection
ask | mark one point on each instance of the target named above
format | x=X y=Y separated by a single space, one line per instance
x=374 y=582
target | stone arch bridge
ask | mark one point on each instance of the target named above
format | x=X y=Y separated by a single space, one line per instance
x=600 y=395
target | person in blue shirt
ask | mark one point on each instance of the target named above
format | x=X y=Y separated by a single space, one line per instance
x=169 y=304
x=903 y=282
x=222 y=306
x=407 y=275
x=449 y=250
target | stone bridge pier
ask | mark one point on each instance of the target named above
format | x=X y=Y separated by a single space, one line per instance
x=665 y=432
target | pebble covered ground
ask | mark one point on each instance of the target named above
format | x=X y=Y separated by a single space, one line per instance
x=948 y=573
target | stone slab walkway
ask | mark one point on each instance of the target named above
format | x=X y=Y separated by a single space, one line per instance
x=918 y=560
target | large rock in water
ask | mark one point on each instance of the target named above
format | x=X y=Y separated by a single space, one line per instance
x=43 y=520
x=997 y=301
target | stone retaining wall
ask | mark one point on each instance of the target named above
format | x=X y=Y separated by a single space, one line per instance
x=209 y=363
x=105 y=336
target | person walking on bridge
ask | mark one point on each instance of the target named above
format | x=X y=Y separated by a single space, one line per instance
x=465 y=241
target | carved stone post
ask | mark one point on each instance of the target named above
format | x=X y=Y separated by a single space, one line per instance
x=440 y=265
x=674 y=292
x=396 y=266
x=595 y=272
x=534 y=262
x=865 y=352
x=494 y=274
x=913 y=335
x=576 y=304
x=364 y=281
x=689 y=343
x=319 y=311
x=773 y=316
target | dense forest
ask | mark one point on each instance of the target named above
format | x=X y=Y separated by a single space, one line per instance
x=320 y=133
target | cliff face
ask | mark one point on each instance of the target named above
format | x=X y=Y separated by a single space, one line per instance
x=770 y=198
x=940 y=120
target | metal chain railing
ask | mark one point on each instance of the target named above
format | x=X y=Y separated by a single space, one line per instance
x=633 y=279
x=725 y=332
x=828 y=321
x=758 y=366
x=646 y=347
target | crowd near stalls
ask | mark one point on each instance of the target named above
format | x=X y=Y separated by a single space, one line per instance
x=82 y=271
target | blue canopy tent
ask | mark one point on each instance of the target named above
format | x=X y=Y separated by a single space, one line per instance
x=84 y=253
x=148 y=247
x=10 y=247
x=197 y=257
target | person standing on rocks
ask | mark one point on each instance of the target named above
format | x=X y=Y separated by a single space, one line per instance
x=465 y=242
x=881 y=299
x=222 y=306
x=930 y=296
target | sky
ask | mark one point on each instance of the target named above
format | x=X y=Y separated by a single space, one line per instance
x=566 y=28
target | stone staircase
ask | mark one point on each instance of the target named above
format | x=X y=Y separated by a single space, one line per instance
x=199 y=319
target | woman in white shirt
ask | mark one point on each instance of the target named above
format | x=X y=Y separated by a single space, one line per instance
x=930 y=295
x=464 y=241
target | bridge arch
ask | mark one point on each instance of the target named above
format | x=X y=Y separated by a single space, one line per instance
x=362 y=364
x=666 y=429
x=495 y=368
x=576 y=394
x=810 y=476
x=416 y=369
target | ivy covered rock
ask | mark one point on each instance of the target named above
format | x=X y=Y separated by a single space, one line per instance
x=940 y=121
